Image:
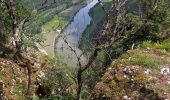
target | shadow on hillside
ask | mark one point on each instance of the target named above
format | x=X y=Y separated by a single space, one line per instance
x=148 y=94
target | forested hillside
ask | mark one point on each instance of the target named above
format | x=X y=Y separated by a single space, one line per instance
x=84 y=49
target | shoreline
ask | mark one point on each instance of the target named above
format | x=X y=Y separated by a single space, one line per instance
x=86 y=33
x=51 y=37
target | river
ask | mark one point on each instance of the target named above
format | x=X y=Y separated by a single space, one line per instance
x=72 y=34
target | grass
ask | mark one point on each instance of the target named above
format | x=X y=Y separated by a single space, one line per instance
x=56 y=22
x=165 y=45
x=146 y=56
x=145 y=61
x=19 y=92
x=45 y=17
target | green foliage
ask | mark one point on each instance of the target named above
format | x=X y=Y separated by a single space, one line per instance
x=102 y=56
x=47 y=18
x=56 y=22
x=165 y=45
x=133 y=20
x=150 y=28
x=22 y=12
x=34 y=54
x=59 y=79
x=160 y=14
x=19 y=91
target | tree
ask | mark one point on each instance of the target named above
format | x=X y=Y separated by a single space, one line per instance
x=111 y=33
x=117 y=7
x=14 y=15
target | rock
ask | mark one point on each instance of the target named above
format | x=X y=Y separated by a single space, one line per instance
x=42 y=74
x=41 y=49
x=147 y=71
x=165 y=71
x=126 y=97
x=58 y=31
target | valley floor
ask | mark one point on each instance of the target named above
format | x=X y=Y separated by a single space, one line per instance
x=53 y=28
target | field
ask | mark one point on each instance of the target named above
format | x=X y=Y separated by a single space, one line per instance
x=52 y=17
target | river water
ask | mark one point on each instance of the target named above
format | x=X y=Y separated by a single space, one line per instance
x=72 y=34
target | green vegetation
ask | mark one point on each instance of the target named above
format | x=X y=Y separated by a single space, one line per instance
x=145 y=61
x=59 y=80
x=165 y=45
x=97 y=15
x=126 y=62
x=56 y=22
x=47 y=18
x=19 y=91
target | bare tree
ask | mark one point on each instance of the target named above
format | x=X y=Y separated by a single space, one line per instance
x=117 y=6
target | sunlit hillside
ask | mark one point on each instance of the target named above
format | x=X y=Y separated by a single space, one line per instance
x=84 y=49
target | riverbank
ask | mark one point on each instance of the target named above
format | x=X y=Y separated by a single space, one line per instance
x=73 y=34
x=59 y=21
x=97 y=15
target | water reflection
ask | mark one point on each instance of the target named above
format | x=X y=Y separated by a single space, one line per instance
x=73 y=34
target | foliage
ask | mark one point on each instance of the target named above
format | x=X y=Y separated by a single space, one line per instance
x=58 y=81
x=47 y=18
x=56 y=22
x=132 y=20
x=19 y=91
x=160 y=14
x=22 y=12
x=125 y=76
x=165 y=45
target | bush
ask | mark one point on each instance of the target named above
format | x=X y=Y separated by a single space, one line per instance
x=165 y=45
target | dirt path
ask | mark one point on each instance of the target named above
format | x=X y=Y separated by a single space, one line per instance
x=49 y=42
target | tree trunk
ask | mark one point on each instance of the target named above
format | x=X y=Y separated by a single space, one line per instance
x=15 y=31
x=29 y=68
x=79 y=84
x=117 y=5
